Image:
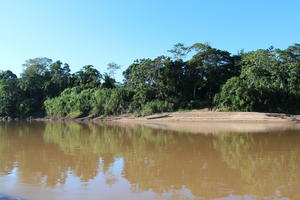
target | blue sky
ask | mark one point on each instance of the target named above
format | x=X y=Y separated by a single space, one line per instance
x=98 y=32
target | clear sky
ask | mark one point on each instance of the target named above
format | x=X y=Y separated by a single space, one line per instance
x=97 y=32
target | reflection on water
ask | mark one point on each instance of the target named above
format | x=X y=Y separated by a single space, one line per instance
x=97 y=161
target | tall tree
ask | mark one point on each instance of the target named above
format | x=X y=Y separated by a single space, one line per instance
x=87 y=77
x=4 y=75
x=9 y=97
x=208 y=69
x=60 y=78
x=269 y=82
x=179 y=51
x=35 y=75
x=33 y=82
x=112 y=68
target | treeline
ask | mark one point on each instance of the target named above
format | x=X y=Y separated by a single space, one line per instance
x=199 y=76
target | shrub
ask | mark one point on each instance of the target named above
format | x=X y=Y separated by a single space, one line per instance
x=235 y=95
x=71 y=102
x=28 y=107
x=100 y=98
x=119 y=100
x=156 y=106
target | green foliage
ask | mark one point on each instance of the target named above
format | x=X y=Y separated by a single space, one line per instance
x=156 y=106
x=87 y=77
x=101 y=97
x=8 y=98
x=235 y=96
x=59 y=79
x=89 y=101
x=263 y=80
x=43 y=79
x=4 y=75
x=112 y=68
x=72 y=102
x=195 y=104
x=27 y=107
x=108 y=82
x=267 y=83
x=178 y=81
x=208 y=70
x=118 y=101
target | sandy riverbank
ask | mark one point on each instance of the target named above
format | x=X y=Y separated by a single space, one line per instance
x=213 y=116
x=203 y=121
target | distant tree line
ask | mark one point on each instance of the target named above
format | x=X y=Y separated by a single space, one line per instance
x=199 y=76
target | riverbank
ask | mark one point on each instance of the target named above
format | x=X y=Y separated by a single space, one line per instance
x=210 y=116
x=203 y=115
x=204 y=121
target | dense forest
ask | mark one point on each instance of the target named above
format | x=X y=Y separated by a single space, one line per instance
x=194 y=77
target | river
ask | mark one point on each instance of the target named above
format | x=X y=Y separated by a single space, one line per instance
x=70 y=161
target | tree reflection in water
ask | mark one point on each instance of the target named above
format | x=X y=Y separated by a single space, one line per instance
x=185 y=165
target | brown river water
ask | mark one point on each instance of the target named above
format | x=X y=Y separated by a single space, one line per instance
x=70 y=161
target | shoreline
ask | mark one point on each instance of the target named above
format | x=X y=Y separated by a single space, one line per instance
x=201 y=121
x=211 y=116
x=203 y=115
x=213 y=122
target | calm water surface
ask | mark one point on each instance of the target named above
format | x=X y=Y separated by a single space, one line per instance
x=72 y=161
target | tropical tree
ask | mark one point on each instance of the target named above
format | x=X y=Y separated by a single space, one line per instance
x=87 y=77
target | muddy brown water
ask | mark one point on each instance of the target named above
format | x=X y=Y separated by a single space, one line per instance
x=71 y=161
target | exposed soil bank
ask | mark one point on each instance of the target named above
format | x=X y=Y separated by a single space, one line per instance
x=213 y=116
x=203 y=121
